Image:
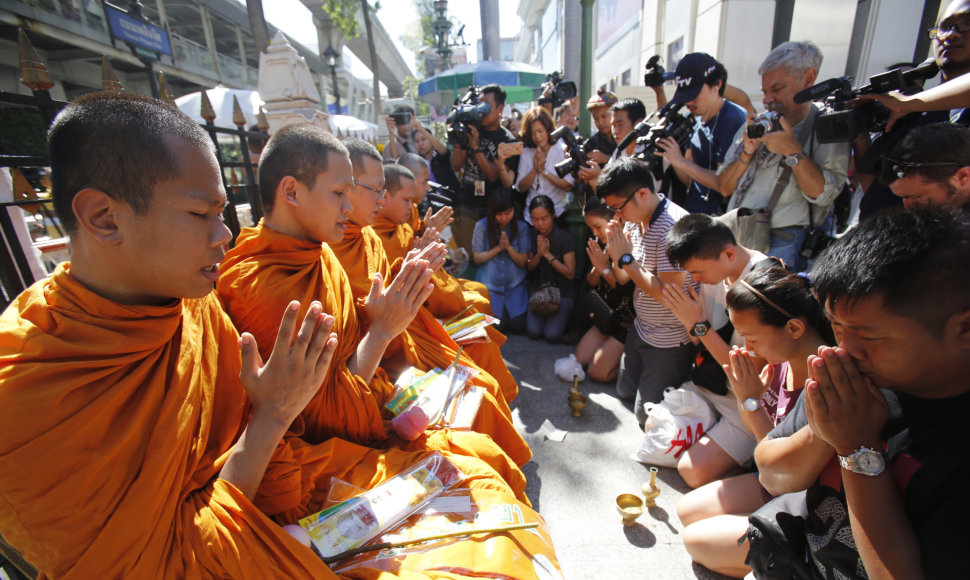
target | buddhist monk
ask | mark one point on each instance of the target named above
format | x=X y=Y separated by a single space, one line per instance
x=451 y=296
x=440 y=219
x=424 y=343
x=305 y=179
x=140 y=435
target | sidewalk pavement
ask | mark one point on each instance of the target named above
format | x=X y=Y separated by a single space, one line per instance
x=574 y=484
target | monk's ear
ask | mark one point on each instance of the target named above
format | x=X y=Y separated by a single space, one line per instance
x=97 y=215
x=287 y=190
x=959 y=328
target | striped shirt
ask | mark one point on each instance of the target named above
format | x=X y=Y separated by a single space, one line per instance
x=655 y=324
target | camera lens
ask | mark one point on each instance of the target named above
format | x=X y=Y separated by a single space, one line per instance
x=756 y=131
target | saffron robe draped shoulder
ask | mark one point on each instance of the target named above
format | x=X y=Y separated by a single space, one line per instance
x=425 y=344
x=450 y=297
x=260 y=276
x=115 y=422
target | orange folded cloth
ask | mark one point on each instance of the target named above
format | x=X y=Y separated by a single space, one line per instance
x=425 y=344
x=450 y=297
x=261 y=275
x=115 y=422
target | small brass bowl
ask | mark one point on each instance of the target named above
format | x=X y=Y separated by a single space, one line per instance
x=577 y=403
x=630 y=507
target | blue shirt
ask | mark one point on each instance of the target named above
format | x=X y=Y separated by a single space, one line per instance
x=708 y=146
x=500 y=274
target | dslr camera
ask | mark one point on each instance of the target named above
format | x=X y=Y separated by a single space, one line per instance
x=555 y=90
x=470 y=110
x=842 y=121
x=767 y=122
x=667 y=122
x=575 y=151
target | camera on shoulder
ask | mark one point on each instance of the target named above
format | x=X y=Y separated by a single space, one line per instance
x=467 y=112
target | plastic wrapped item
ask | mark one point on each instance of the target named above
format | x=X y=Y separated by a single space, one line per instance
x=354 y=522
x=438 y=397
x=523 y=554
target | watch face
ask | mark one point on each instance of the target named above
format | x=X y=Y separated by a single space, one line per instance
x=700 y=329
x=626 y=259
x=871 y=462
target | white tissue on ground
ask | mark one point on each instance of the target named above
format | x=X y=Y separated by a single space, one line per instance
x=568 y=367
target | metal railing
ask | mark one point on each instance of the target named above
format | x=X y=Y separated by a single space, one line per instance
x=237 y=151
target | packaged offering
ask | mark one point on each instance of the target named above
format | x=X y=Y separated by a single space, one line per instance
x=354 y=522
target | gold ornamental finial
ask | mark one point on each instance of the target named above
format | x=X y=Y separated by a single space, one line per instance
x=109 y=80
x=206 y=111
x=238 y=119
x=33 y=72
x=163 y=91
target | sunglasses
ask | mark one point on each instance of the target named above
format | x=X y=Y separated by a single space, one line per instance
x=901 y=168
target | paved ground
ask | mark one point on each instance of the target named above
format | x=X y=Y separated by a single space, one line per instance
x=574 y=484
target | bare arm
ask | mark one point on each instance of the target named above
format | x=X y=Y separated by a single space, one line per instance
x=278 y=390
x=739 y=97
x=788 y=464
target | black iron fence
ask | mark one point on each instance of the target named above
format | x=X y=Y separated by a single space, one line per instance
x=25 y=119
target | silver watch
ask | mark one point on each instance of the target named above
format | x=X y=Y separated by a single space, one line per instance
x=866 y=461
x=793 y=160
x=751 y=404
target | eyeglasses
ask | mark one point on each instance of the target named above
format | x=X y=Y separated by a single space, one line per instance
x=901 y=168
x=378 y=193
x=626 y=201
x=940 y=32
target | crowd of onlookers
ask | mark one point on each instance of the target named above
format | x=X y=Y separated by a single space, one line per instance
x=772 y=272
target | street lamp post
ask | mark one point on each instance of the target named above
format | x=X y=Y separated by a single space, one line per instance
x=332 y=58
x=442 y=26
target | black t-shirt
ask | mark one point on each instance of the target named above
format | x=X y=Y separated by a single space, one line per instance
x=929 y=453
x=600 y=142
x=489 y=141
x=560 y=244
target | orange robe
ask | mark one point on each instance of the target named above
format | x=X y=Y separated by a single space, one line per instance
x=115 y=422
x=260 y=276
x=450 y=296
x=425 y=344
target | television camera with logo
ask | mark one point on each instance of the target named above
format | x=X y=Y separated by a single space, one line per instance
x=666 y=122
x=555 y=90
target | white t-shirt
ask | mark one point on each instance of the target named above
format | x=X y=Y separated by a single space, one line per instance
x=541 y=185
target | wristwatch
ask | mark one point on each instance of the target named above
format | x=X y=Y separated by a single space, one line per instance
x=866 y=461
x=700 y=329
x=626 y=260
x=751 y=404
x=793 y=160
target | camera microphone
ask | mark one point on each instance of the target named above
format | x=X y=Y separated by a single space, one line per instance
x=821 y=89
x=926 y=70
x=439 y=187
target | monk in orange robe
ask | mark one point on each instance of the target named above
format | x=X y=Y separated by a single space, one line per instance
x=424 y=343
x=284 y=258
x=134 y=439
x=449 y=299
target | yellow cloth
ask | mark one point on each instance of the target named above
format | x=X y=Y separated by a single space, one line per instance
x=260 y=276
x=450 y=296
x=114 y=424
x=425 y=344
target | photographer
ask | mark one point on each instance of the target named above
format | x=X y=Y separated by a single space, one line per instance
x=601 y=144
x=701 y=81
x=400 y=127
x=946 y=102
x=931 y=166
x=437 y=156
x=478 y=161
x=786 y=164
x=626 y=114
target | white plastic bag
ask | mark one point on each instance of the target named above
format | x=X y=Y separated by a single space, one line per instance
x=673 y=425
x=568 y=367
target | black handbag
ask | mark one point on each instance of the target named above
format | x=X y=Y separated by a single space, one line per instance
x=777 y=548
x=602 y=316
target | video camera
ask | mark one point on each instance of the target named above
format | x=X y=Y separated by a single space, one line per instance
x=667 y=122
x=575 y=151
x=439 y=196
x=470 y=110
x=555 y=90
x=656 y=75
x=842 y=122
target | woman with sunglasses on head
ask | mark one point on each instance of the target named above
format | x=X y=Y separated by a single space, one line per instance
x=553 y=263
x=782 y=323
x=500 y=248
x=608 y=300
x=537 y=175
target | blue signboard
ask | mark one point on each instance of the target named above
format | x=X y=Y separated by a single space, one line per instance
x=139 y=33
